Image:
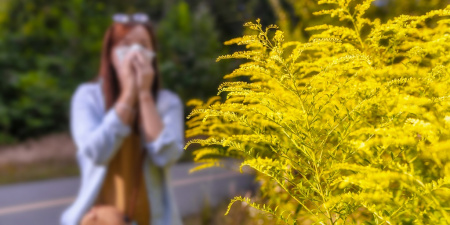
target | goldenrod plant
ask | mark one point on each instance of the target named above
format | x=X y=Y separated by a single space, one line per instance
x=293 y=16
x=352 y=127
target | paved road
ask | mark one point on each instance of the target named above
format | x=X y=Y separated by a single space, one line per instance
x=41 y=203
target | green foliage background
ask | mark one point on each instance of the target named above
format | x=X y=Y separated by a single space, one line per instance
x=46 y=49
x=49 y=47
x=187 y=63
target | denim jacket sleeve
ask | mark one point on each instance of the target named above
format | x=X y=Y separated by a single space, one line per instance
x=96 y=134
x=168 y=146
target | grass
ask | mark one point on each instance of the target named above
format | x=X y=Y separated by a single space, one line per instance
x=37 y=171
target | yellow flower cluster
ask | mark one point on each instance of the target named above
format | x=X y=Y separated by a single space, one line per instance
x=350 y=127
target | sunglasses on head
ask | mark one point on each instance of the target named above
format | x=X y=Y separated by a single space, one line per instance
x=129 y=18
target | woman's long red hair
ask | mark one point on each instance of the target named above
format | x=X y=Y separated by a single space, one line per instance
x=110 y=83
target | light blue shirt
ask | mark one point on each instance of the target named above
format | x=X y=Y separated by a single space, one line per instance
x=99 y=133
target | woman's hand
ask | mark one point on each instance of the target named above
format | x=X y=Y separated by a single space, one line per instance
x=150 y=119
x=145 y=72
x=127 y=79
x=126 y=104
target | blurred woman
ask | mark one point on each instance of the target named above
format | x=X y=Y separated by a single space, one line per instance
x=128 y=132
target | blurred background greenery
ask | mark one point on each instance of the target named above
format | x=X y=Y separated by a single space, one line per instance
x=48 y=47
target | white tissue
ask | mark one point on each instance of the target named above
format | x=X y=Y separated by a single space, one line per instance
x=122 y=51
